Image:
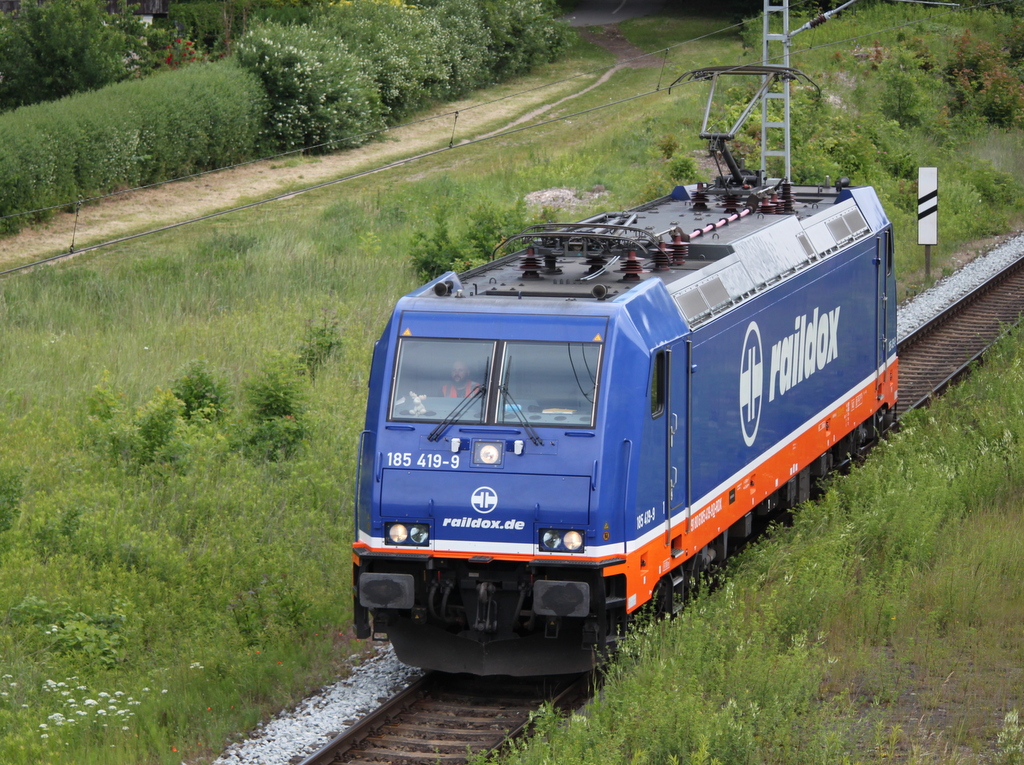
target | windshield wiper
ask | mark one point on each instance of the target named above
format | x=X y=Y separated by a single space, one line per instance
x=535 y=439
x=456 y=414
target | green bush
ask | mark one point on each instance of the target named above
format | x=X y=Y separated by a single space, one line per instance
x=135 y=132
x=204 y=395
x=203 y=22
x=320 y=342
x=396 y=44
x=318 y=94
x=59 y=48
x=478 y=234
x=525 y=34
x=444 y=48
x=274 y=422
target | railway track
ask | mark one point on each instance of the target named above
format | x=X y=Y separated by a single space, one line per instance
x=449 y=719
x=941 y=351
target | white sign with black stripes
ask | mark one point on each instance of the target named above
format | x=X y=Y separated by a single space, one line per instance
x=927 y=205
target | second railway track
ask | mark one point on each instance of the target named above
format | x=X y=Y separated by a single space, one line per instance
x=939 y=352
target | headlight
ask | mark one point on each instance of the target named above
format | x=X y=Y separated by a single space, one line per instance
x=560 y=540
x=488 y=452
x=419 y=534
x=550 y=539
x=413 y=534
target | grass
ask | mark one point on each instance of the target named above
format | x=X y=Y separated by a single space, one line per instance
x=172 y=559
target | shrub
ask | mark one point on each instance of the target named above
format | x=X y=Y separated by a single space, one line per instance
x=396 y=44
x=59 y=48
x=901 y=98
x=203 y=395
x=319 y=96
x=274 y=426
x=132 y=133
x=320 y=340
x=682 y=169
x=983 y=81
x=524 y=33
x=97 y=636
x=480 y=232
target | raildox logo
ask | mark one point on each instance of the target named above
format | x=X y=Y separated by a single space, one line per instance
x=813 y=344
x=751 y=383
x=484 y=499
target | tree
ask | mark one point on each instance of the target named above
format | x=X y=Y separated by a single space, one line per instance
x=61 y=47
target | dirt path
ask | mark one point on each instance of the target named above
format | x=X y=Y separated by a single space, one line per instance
x=147 y=209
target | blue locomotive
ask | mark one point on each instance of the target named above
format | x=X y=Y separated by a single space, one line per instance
x=580 y=428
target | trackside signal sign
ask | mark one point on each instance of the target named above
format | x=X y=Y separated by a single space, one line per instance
x=927 y=205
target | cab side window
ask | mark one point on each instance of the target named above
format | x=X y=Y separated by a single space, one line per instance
x=658 y=385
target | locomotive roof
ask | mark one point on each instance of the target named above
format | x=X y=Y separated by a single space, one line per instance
x=712 y=252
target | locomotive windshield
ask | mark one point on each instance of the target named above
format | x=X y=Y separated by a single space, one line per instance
x=548 y=384
x=433 y=377
x=540 y=383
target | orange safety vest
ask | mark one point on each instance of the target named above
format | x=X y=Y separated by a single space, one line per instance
x=452 y=391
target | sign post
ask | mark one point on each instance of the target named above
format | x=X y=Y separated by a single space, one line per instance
x=927 y=213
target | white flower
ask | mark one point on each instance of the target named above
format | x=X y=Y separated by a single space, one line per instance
x=90 y=702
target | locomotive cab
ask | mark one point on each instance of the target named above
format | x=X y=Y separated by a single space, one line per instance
x=478 y=548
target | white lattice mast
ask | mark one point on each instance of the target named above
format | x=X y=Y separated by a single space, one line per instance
x=775 y=50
